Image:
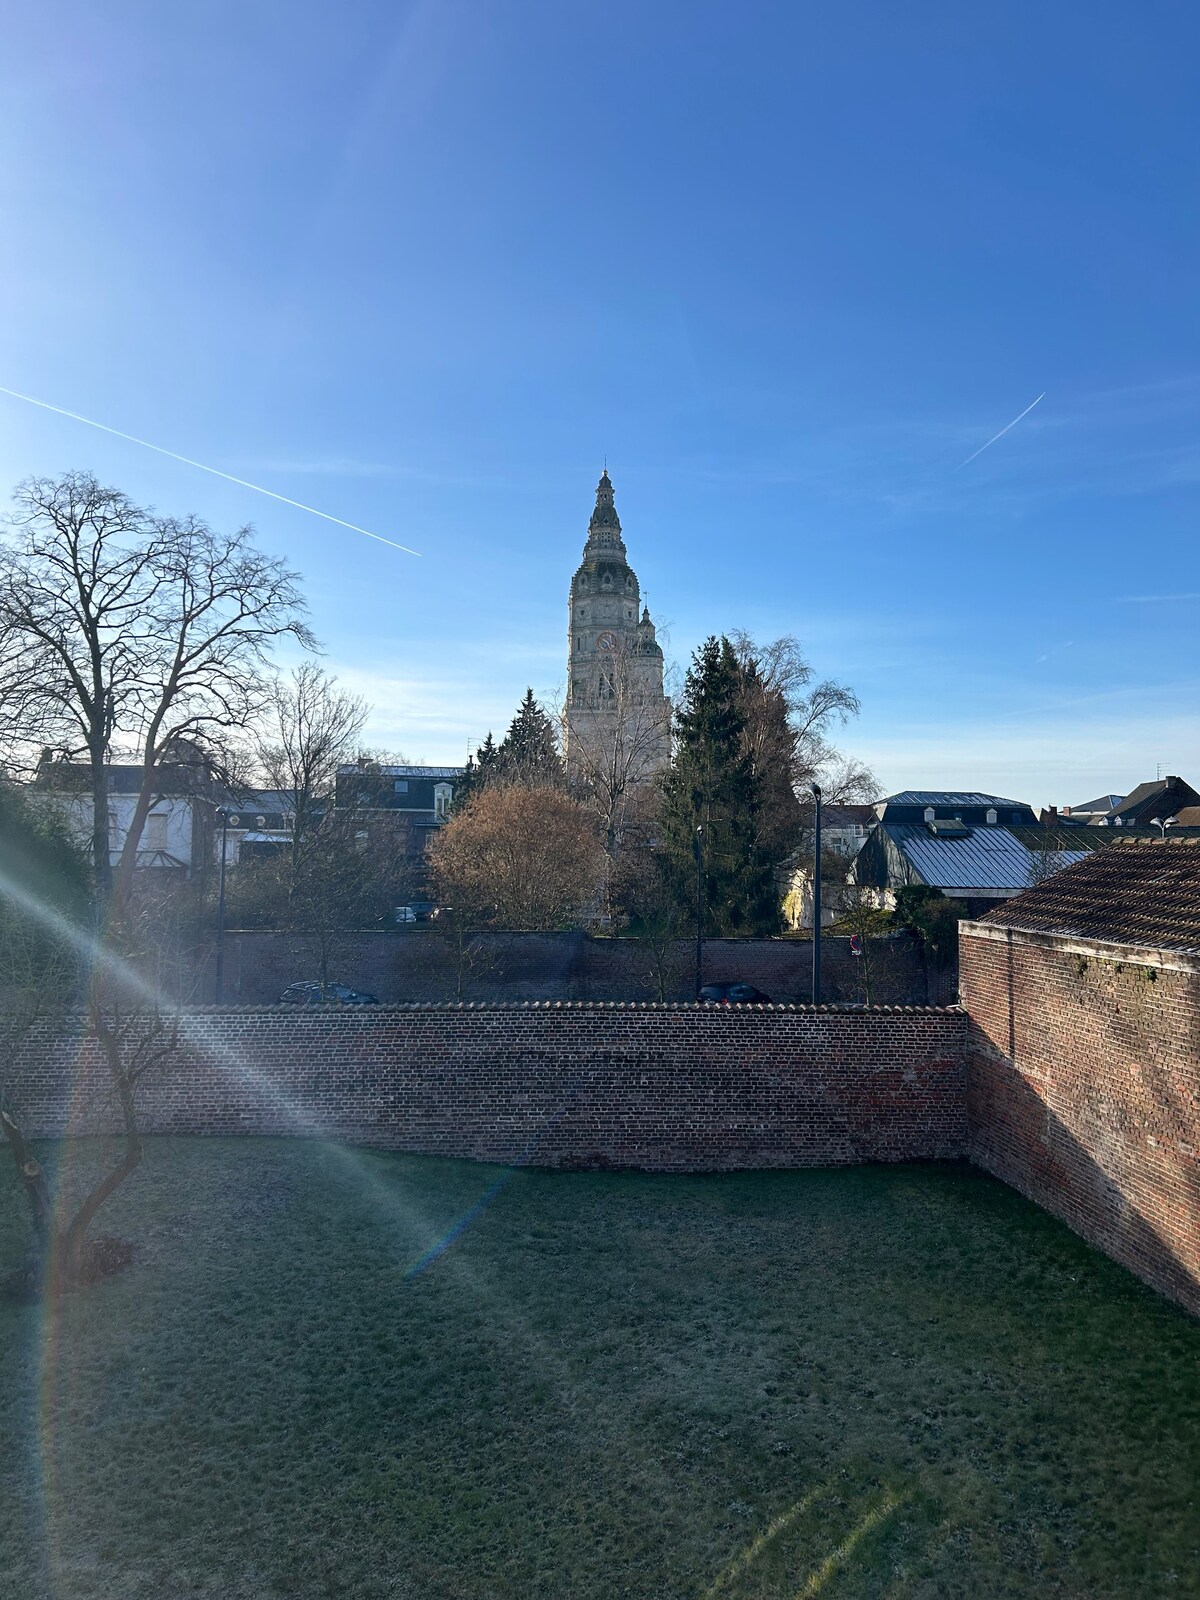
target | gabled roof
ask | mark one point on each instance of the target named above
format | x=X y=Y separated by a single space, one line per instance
x=1162 y=798
x=1104 y=802
x=1139 y=892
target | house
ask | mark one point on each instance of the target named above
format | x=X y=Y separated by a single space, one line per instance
x=191 y=812
x=844 y=829
x=1089 y=811
x=978 y=848
x=177 y=835
x=414 y=798
x=254 y=825
x=1152 y=803
x=1148 y=804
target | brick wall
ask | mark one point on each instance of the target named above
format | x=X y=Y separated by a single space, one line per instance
x=416 y=965
x=1083 y=1090
x=664 y=1088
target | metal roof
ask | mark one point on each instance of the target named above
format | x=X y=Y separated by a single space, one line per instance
x=1137 y=891
x=401 y=772
x=949 y=797
x=989 y=858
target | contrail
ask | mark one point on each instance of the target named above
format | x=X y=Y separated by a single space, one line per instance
x=216 y=471
x=1002 y=432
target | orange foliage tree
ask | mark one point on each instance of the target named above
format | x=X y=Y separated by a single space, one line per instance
x=522 y=858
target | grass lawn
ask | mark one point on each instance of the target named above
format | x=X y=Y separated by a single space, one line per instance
x=877 y=1382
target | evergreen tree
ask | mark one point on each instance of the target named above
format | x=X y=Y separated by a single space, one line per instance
x=529 y=754
x=478 y=772
x=712 y=783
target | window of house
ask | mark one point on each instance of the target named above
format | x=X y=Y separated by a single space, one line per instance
x=401 y=786
x=443 y=793
x=155 y=835
x=929 y=813
x=991 y=816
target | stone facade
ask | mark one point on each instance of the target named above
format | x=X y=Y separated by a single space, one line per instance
x=616 y=711
x=1083 y=1089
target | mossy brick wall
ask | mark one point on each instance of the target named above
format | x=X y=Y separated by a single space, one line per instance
x=1083 y=1091
x=661 y=1088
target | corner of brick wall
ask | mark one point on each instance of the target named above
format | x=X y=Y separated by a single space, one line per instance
x=1083 y=1093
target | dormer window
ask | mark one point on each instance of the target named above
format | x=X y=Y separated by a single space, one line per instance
x=606 y=581
x=991 y=816
x=929 y=813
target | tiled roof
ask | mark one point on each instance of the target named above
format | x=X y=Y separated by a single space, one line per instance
x=1138 y=892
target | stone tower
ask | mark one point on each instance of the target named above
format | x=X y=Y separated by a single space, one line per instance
x=617 y=718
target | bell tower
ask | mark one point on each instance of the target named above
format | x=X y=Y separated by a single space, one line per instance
x=616 y=709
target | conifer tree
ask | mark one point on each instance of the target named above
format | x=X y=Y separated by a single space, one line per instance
x=712 y=783
x=529 y=753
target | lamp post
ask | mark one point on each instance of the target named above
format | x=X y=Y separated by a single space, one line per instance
x=816 y=968
x=699 y=910
x=220 y=985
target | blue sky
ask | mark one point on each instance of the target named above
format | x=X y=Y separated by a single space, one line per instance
x=787 y=266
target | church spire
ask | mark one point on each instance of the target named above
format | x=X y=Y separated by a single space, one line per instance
x=604 y=530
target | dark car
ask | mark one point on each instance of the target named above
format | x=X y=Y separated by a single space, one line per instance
x=325 y=994
x=734 y=994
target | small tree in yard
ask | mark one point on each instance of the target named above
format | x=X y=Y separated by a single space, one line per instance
x=934 y=918
x=519 y=858
x=47 y=962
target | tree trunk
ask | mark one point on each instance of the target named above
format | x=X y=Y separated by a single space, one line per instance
x=74 y=1237
x=101 y=858
x=33 y=1178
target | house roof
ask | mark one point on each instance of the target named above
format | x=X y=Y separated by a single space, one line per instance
x=1137 y=891
x=1103 y=802
x=995 y=859
x=401 y=771
x=1188 y=817
x=949 y=797
x=1160 y=799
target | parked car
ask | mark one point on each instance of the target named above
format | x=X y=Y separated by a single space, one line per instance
x=416 y=911
x=325 y=994
x=734 y=994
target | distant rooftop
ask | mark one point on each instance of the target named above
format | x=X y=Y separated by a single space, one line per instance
x=385 y=771
x=949 y=797
x=1137 y=891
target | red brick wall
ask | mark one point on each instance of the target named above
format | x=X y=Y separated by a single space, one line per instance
x=415 y=965
x=665 y=1088
x=1083 y=1092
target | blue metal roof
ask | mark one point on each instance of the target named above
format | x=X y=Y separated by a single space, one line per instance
x=987 y=859
x=950 y=797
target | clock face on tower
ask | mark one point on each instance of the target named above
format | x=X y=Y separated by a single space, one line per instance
x=606 y=641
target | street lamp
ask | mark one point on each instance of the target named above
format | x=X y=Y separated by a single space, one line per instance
x=699 y=909
x=816 y=968
x=1162 y=826
x=226 y=819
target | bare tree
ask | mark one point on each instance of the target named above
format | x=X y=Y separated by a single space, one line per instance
x=814 y=710
x=613 y=758
x=128 y=624
x=77 y=584
x=311 y=728
x=519 y=858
